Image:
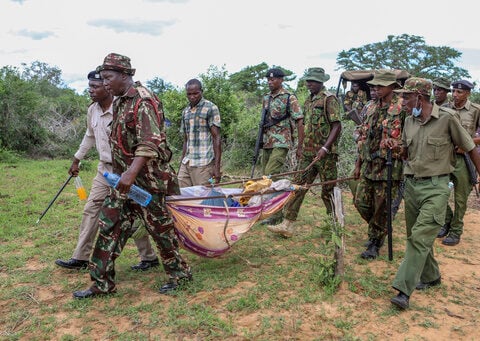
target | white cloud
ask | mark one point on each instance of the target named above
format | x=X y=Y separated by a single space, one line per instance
x=178 y=40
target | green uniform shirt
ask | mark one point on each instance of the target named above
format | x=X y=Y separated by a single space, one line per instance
x=431 y=144
x=280 y=135
x=469 y=116
x=318 y=121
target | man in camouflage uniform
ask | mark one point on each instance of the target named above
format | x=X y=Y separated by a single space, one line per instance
x=429 y=137
x=322 y=130
x=140 y=155
x=383 y=122
x=283 y=116
x=469 y=114
x=355 y=98
x=441 y=88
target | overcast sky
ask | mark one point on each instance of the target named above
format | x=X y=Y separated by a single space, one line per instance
x=179 y=39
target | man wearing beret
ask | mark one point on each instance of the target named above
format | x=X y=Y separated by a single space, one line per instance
x=463 y=179
x=429 y=137
x=322 y=131
x=283 y=117
x=140 y=155
x=441 y=88
x=382 y=124
x=99 y=118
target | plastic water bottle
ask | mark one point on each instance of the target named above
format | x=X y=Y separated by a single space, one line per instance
x=451 y=185
x=137 y=194
x=81 y=191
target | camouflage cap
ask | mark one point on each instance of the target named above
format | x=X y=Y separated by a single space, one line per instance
x=417 y=85
x=462 y=84
x=316 y=74
x=94 y=76
x=117 y=62
x=275 y=73
x=384 y=78
x=442 y=82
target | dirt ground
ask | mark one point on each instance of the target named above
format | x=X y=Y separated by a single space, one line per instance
x=450 y=312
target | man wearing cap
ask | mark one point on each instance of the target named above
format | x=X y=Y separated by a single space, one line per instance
x=382 y=124
x=429 y=137
x=283 y=116
x=441 y=88
x=355 y=98
x=140 y=155
x=202 y=145
x=322 y=130
x=99 y=117
x=463 y=181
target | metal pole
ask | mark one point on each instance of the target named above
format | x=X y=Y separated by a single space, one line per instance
x=55 y=198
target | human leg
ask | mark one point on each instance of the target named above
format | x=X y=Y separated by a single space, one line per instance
x=183 y=176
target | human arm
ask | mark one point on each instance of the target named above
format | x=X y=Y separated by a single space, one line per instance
x=300 y=137
x=335 y=130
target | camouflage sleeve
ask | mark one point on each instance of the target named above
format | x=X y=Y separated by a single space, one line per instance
x=333 y=108
x=151 y=137
x=295 y=109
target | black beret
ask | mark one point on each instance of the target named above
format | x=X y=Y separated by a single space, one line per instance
x=275 y=72
x=462 y=84
x=94 y=76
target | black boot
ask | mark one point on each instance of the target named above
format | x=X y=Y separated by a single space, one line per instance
x=372 y=250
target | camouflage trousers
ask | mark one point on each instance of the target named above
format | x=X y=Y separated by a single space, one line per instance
x=371 y=203
x=116 y=226
x=326 y=169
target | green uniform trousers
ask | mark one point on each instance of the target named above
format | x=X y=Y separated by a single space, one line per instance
x=425 y=205
x=371 y=203
x=274 y=160
x=326 y=169
x=462 y=188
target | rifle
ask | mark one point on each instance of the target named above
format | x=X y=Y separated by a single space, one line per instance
x=259 y=141
x=54 y=198
x=389 y=204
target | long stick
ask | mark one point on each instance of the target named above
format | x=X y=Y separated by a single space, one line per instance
x=54 y=198
x=389 y=204
x=268 y=191
x=271 y=176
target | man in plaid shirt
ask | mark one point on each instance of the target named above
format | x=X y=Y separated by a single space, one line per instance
x=202 y=148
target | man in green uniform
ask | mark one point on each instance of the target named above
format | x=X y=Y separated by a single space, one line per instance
x=283 y=118
x=140 y=155
x=469 y=114
x=429 y=137
x=355 y=98
x=383 y=121
x=441 y=88
x=322 y=130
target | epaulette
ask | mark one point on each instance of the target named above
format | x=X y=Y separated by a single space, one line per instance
x=476 y=105
x=143 y=92
x=448 y=110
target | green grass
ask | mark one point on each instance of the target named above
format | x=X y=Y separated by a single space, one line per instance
x=265 y=288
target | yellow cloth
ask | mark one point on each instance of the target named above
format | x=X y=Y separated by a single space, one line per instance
x=252 y=186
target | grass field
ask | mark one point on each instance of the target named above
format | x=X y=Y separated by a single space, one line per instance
x=265 y=288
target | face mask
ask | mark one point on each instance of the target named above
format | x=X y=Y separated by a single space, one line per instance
x=416 y=111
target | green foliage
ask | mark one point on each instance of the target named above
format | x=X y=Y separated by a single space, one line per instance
x=406 y=52
x=159 y=86
x=36 y=116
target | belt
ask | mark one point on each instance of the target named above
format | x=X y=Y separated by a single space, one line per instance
x=413 y=177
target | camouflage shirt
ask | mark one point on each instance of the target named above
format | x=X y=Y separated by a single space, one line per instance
x=280 y=135
x=355 y=100
x=318 y=121
x=381 y=122
x=138 y=135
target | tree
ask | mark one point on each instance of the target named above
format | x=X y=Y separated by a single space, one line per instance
x=404 y=52
x=159 y=86
x=252 y=79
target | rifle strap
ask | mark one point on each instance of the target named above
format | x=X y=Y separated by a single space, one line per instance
x=273 y=121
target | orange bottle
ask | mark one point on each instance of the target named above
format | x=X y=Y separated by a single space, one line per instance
x=81 y=191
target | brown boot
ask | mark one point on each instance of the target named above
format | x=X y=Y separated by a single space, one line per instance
x=286 y=228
